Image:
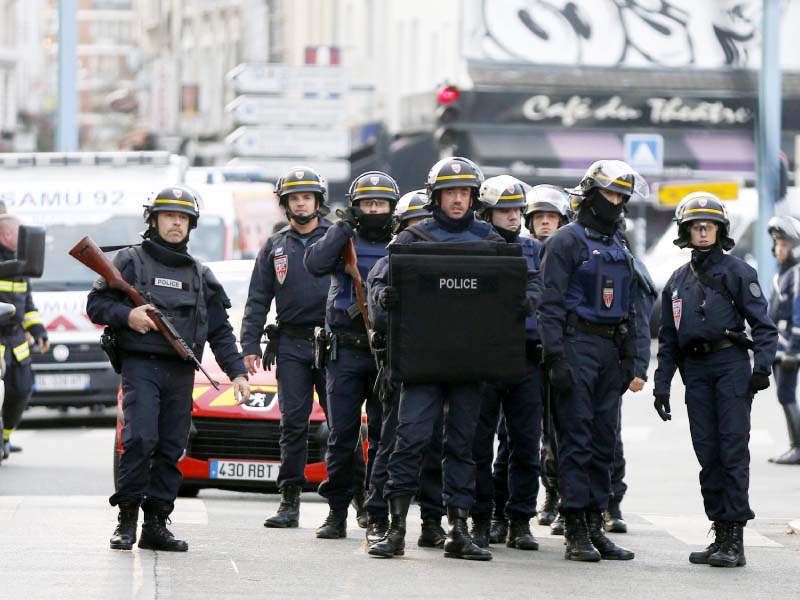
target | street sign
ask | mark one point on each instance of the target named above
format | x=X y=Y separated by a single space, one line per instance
x=274 y=110
x=645 y=152
x=272 y=78
x=670 y=194
x=331 y=170
x=279 y=142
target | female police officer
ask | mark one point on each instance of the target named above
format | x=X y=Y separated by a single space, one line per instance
x=705 y=304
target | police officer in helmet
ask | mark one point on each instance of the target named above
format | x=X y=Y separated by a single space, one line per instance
x=300 y=298
x=410 y=210
x=351 y=371
x=452 y=189
x=503 y=201
x=156 y=383
x=784 y=310
x=547 y=208
x=705 y=304
x=587 y=323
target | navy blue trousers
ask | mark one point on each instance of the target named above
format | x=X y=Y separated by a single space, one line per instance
x=718 y=404
x=350 y=382
x=420 y=407
x=157 y=410
x=297 y=380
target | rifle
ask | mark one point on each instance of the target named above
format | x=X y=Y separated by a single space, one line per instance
x=351 y=268
x=87 y=253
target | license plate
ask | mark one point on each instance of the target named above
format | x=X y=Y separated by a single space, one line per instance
x=248 y=470
x=62 y=382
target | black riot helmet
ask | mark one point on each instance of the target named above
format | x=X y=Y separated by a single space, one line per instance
x=412 y=205
x=177 y=198
x=502 y=191
x=547 y=198
x=373 y=184
x=453 y=172
x=785 y=228
x=702 y=206
x=302 y=179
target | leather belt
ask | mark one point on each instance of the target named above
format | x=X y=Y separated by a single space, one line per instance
x=304 y=332
x=352 y=340
x=706 y=348
x=606 y=331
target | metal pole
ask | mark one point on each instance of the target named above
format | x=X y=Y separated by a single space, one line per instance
x=67 y=120
x=768 y=138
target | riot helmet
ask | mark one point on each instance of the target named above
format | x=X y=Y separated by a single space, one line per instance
x=302 y=179
x=702 y=206
x=370 y=186
x=177 y=198
x=546 y=198
x=453 y=172
x=412 y=205
x=785 y=228
x=614 y=176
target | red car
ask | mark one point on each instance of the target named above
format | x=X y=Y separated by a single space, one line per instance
x=236 y=447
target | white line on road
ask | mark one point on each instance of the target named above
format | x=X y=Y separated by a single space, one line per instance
x=235 y=568
x=692 y=530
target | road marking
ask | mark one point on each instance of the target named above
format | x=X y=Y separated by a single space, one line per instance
x=692 y=530
x=235 y=568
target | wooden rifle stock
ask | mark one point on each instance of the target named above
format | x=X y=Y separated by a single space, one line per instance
x=90 y=255
x=351 y=268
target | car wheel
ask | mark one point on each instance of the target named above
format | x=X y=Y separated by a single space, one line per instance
x=188 y=491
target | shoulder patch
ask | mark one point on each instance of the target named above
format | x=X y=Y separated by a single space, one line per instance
x=755 y=290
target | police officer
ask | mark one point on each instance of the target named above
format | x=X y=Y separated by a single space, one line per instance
x=587 y=324
x=705 y=304
x=17 y=333
x=410 y=210
x=156 y=383
x=300 y=301
x=784 y=310
x=452 y=189
x=503 y=201
x=351 y=367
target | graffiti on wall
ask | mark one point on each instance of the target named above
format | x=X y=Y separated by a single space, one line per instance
x=636 y=33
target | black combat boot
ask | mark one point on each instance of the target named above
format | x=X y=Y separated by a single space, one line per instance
x=459 y=543
x=394 y=542
x=701 y=557
x=576 y=536
x=557 y=526
x=480 y=529
x=548 y=511
x=155 y=535
x=288 y=514
x=358 y=502
x=498 y=530
x=125 y=534
x=731 y=549
x=608 y=549
x=520 y=536
x=612 y=518
x=335 y=525
x=792 y=455
x=432 y=534
x=376 y=528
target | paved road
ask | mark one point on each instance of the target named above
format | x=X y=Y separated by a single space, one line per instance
x=56 y=521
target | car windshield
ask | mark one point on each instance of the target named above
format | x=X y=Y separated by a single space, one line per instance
x=236 y=284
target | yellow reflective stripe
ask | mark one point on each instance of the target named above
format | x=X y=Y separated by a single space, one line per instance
x=291 y=183
x=15 y=287
x=465 y=176
x=21 y=352
x=410 y=208
x=711 y=210
x=515 y=197
x=374 y=188
x=2 y=352
x=171 y=201
x=31 y=318
x=619 y=181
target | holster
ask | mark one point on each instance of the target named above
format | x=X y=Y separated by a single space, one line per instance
x=108 y=342
x=320 y=347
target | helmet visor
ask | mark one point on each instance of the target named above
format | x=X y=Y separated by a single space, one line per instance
x=619 y=176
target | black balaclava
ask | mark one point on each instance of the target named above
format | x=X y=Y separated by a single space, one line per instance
x=375 y=227
x=600 y=214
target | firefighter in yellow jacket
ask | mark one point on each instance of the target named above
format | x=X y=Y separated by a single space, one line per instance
x=17 y=334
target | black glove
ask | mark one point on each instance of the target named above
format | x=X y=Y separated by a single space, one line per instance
x=758 y=382
x=528 y=307
x=270 y=354
x=661 y=405
x=389 y=297
x=349 y=216
x=560 y=373
x=626 y=368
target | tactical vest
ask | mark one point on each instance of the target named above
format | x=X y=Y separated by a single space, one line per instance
x=599 y=289
x=178 y=293
x=478 y=230
x=368 y=254
x=530 y=250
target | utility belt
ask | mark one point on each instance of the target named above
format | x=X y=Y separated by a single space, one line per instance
x=533 y=351
x=616 y=332
x=304 y=332
x=326 y=344
x=701 y=348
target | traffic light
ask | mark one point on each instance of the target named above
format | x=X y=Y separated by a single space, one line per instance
x=447 y=135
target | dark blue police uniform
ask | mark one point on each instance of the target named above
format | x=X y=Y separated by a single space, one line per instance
x=351 y=372
x=156 y=384
x=784 y=310
x=300 y=297
x=715 y=370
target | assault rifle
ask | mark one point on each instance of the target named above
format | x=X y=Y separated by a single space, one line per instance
x=88 y=253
